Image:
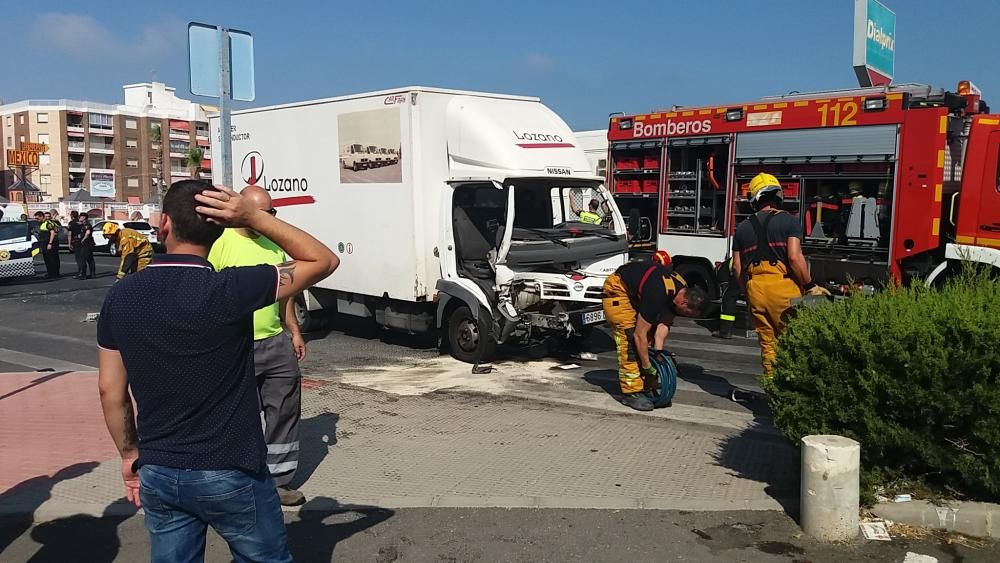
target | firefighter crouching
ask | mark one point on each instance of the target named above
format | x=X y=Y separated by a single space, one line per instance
x=640 y=302
x=135 y=249
x=768 y=262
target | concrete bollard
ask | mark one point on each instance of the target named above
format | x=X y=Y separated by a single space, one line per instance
x=830 y=495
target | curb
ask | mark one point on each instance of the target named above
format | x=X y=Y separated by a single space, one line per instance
x=979 y=519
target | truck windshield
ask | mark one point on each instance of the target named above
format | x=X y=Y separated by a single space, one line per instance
x=372 y=149
x=563 y=209
x=358 y=148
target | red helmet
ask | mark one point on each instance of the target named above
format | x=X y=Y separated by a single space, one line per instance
x=662 y=257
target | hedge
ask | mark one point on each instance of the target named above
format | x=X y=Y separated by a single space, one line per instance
x=911 y=373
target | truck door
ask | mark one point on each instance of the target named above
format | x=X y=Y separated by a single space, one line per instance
x=988 y=225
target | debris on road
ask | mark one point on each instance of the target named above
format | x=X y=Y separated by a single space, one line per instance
x=92 y=317
x=588 y=356
x=876 y=530
x=568 y=366
x=902 y=498
x=918 y=558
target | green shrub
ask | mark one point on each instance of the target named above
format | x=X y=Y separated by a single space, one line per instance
x=911 y=373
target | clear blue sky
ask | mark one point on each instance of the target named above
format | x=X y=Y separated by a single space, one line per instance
x=584 y=59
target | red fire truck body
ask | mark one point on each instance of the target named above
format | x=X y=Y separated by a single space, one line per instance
x=891 y=184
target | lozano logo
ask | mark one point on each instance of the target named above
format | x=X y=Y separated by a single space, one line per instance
x=252 y=169
x=541 y=137
x=252 y=172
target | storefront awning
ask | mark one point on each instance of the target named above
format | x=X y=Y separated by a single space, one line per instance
x=180 y=125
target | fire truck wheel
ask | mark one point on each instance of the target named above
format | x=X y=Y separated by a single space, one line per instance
x=699 y=275
x=469 y=339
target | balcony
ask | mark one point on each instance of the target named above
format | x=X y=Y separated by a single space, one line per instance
x=102 y=148
x=201 y=134
x=181 y=172
x=74 y=146
x=180 y=135
x=102 y=130
x=77 y=166
x=74 y=128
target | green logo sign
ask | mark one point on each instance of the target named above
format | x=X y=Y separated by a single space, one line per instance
x=874 y=42
x=880 y=38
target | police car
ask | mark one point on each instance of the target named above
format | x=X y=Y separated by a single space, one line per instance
x=17 y=247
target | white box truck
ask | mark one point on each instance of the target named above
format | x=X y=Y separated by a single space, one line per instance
x=473 y=230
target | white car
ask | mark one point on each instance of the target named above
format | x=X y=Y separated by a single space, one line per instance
x=355 y=156
x=389 y=156
x=378 y=159
x=141 y=227
x=17 y=246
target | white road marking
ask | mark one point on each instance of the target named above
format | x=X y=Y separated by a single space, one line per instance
x=33 y=362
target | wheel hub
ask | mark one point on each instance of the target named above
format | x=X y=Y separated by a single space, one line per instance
x=468 y=335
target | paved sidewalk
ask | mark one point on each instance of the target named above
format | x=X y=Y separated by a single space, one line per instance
x=444 y=449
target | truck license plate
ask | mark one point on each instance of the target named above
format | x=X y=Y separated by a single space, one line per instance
x=593 y=317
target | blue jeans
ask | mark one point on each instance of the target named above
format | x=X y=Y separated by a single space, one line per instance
x=180 y=504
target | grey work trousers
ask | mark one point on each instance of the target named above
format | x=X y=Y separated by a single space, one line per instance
x=279 y=383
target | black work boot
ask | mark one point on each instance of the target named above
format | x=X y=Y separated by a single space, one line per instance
x=638 y=401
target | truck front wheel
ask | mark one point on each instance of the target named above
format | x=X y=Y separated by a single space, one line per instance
x=470 y=340
x=309 y=321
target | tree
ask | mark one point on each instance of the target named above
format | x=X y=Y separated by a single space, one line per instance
x=155 y=139
x=193 y=160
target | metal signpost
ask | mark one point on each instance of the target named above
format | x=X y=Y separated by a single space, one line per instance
x=221 y=66
x=874 y=43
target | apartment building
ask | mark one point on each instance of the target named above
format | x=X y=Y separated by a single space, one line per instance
x=121 y=151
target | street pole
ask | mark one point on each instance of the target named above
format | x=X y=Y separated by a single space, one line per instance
x=225 y=98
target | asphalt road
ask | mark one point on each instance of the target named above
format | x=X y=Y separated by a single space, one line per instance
x=495 y=535
x=45 y=326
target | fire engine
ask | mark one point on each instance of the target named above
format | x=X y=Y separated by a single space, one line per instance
x=891 y=184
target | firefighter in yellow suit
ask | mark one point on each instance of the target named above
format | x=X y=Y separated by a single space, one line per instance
x=134 y=248
x=640 y=301
x=768 y=262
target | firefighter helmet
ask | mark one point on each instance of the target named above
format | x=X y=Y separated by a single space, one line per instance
x=662 y=257
x=761 y=185
x=110 y=229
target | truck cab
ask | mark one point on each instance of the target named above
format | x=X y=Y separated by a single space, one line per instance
x=524 y=255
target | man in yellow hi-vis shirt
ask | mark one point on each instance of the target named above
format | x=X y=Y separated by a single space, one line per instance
x=276 y=355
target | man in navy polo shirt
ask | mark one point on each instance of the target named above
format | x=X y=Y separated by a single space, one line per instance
x=196 y=455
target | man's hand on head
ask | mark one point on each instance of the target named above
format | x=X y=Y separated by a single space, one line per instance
x=227 y=207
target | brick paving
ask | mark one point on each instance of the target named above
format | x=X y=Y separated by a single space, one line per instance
x=367 y=447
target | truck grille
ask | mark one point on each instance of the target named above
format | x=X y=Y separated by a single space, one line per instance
x=551 y=289
x=593 y=292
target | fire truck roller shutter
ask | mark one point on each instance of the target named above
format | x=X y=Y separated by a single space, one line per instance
x=874 y=143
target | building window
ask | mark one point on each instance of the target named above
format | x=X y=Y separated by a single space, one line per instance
x=130 y=124
x=44 y=159
x=42 y=117
x=133 y=182
x=100 y=120
x=22 y=138
x=132 y=143
x=10 y=121
x=46 y=179
x=179 y=146
x=22 y=119
x=10 y=142
x=43 y=138
x=132 y=163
